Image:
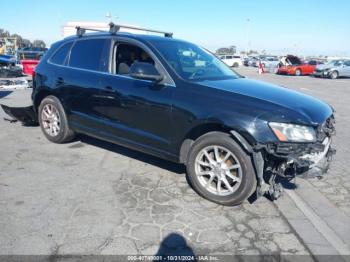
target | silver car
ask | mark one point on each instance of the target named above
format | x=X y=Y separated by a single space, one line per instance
x=333 y=69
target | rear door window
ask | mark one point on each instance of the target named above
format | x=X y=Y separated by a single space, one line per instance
x=91 y=54
x=61 y=54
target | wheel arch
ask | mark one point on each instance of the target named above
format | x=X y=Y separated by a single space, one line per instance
x=334 y=71
x=39 y=97
x=205 y=128
x=298 y=69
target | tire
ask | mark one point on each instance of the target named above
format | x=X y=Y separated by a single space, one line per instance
x=334 y=75
x=53 y=121
x=235 y=64
x=241 y=190
x=298 y=72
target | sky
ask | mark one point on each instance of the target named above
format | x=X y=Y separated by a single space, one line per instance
x=303 y=27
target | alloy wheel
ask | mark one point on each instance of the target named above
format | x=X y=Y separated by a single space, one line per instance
x=50 y=119
x=218 y=170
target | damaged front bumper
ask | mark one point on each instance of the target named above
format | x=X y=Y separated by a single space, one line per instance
x=319 y=162
x=308 y=160
x=278 y=162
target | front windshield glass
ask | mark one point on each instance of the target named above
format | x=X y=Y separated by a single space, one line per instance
x=332 y=62
x=193 y=63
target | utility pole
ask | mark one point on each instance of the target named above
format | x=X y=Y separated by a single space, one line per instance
x=247 y=29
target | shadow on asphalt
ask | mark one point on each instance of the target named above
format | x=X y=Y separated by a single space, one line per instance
x=164 y=164
x=174 y=245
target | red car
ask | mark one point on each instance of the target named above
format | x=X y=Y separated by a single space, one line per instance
x=29 y=58
x=296 y=67
x=29 y=66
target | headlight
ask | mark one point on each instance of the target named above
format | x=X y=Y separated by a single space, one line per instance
x=293 y=133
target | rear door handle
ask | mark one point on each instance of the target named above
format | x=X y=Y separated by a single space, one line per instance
x=108 y=89
x=59 y=81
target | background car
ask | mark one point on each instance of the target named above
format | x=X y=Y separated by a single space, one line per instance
x=270 y=61
x=292 y=65
x=250 y=61
x=232 y=60
x=333 y=69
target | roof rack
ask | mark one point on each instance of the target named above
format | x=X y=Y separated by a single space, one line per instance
x=113 y=29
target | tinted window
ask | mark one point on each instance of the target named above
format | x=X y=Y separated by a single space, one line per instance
x=228 y=57
x=347 y=63
x=60 y=56
x=90 y=54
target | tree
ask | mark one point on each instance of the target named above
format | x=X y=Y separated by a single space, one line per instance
x=4 y=33
x=39 y=43
x=25 y=43
x=22 y=42
x=18 y=39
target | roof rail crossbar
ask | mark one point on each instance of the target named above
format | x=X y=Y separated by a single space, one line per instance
x=82 y=30
x=113 y=29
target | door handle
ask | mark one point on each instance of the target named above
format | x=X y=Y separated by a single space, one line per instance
x=108 y=88
x=59 y=81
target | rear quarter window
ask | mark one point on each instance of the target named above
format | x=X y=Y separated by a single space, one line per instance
x=60 y=56
x=91 y=54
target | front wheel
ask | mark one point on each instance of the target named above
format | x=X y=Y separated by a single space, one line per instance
x=53 y=121
x=334 y=75
x=220 y=171
x=298 y=72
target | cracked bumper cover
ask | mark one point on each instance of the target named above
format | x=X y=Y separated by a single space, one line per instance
x=311 y=160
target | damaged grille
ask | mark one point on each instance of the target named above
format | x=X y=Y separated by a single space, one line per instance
x=327 y=129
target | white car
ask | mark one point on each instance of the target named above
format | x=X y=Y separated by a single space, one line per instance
x=232 y=60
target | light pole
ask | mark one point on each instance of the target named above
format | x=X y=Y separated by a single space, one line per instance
x=247 y=36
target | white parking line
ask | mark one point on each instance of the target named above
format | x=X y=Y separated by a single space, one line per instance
x=320 y=224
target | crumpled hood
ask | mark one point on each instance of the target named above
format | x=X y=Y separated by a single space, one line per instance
x=324 y=67
x=313 y=110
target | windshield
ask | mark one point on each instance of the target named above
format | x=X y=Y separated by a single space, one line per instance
x=193 y=63
x=335 y=63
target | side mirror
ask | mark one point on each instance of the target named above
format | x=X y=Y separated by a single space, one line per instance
x=145 y=71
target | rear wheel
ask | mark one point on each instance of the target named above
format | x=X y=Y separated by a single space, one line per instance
x=298 y=72
x=219 y=170
x=53 y=121
x=334 y=75
x=235 y=64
